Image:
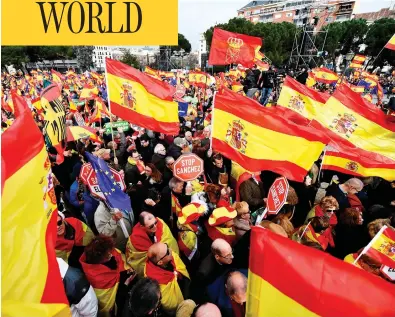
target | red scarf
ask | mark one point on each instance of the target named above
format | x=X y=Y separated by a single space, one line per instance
x=66 y=244
x=320 y=213
x=157 y=273
x=139 y=237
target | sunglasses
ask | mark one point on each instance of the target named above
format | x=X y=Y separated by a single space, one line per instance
x=167 y=254
x=153 y=225
x=59 y=223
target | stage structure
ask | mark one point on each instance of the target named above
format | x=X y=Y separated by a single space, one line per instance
x=164 y=59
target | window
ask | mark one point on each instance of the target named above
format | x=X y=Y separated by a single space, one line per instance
x=248 y=13
x=277 y=16
x=289 y=14
x=256 y=11
x=329 y=19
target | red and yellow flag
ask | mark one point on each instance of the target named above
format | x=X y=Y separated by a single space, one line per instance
x=57 y=77
x=355 y=65
x=258 y=139
x=140 y=99
x=31 y=281
x=382 y=247
x=262 y=66
x=347 y=115
x=74 y=133
x=325 y=75
x=199 y=79
x=237 y=86
x=391 y=43
x=89 y=91
x=105 y=281
x=326 y=286
x=359 y=59
x=233 y=48
x=152 y=72
x=353 y=162
x=300 y=99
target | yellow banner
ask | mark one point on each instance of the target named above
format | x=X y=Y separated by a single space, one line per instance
x=89 y=22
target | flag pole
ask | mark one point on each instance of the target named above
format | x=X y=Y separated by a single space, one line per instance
x=212 y=122
x=378 y=234
x=300 y=238
x=109 y=105
x=322 y=162
x=377 y=56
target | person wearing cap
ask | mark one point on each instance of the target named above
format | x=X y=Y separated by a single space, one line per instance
x=146 y=232
x=189 y=229
x=175 y=150
x=70 y=232
x=167 y=268
x=221 y=224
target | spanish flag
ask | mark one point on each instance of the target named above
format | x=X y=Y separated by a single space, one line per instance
x=355 y=162
x=262 y=66
x=139 y=243
x=140 y=99
x=89 y=91
x=382 y=247
x=391 y=43
x=311 y=283
x=359 y=59
x=83 y=235
x=95 y=75
x=366 y=74
x=300 y=99
x=57 y=77
x=72 y=106
x=105 y=281
x=358 y=89
x=355 y=65
x=75 y=133
x=347 y=115
x=258 y=139
x=199 y=79
x=169 y=288
x=31 y=281
x=325 y=75
x=237 y=86
x=310 y=82
x=259 y=55
x=238 y=175
x=233 y=48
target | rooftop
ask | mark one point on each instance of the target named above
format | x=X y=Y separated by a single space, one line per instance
x=258 y=3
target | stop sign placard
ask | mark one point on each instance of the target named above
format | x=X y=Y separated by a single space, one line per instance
x=277 y=195
x=188 y=167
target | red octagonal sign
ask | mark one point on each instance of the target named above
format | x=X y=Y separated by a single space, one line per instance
x=188 y=167
x=277 y=195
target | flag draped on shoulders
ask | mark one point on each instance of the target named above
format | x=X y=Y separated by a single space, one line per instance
x=140 y=99
x=31 y=281
x=311 y=283
x=258 y=139
x=104 y=280
x=233 y=48
x=171 y=292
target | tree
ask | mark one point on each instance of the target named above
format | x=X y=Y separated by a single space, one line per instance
x=183 y=43
x=13 y=55
x=378 y=35
x=84 y=56
x=129 y=59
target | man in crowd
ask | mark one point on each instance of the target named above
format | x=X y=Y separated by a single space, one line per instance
x=342 y=191
x=166 y=267
x=146 y=232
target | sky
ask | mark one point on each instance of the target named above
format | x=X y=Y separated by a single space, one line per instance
x=196 y=16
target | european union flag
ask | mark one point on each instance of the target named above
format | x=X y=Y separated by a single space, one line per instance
x=115 y=197
x=182 y=109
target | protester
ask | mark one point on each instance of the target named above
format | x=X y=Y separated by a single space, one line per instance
x=166 y=267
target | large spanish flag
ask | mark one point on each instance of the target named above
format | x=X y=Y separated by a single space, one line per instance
x=31 y=282
x=354 y=162
x=289 y=279
x=141 y=99
x=325 y=75
x=303 y=100
x=391 y=43
x=233 y=48
x=346 y=114
x=382 y=247
x=258 y=139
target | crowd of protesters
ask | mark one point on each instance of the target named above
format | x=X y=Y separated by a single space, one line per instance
x=187 y=253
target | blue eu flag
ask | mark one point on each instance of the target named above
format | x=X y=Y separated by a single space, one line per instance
x=115 y=197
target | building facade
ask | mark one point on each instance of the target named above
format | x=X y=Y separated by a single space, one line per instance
x=99 y=56
x=370 y=17
x=316 y=12
x=202 y=52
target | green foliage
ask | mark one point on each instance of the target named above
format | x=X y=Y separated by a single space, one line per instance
x=277 y=37
x=129 y=59
x=378 y=35
x=16 y=55
x=183 y=43
x=84 y=56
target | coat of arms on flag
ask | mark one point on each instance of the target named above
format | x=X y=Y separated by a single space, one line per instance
x=296 y=103
x=352 y=166
x=233 y=52
x=235 y=136
x=344 y=124
x=127 y=96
